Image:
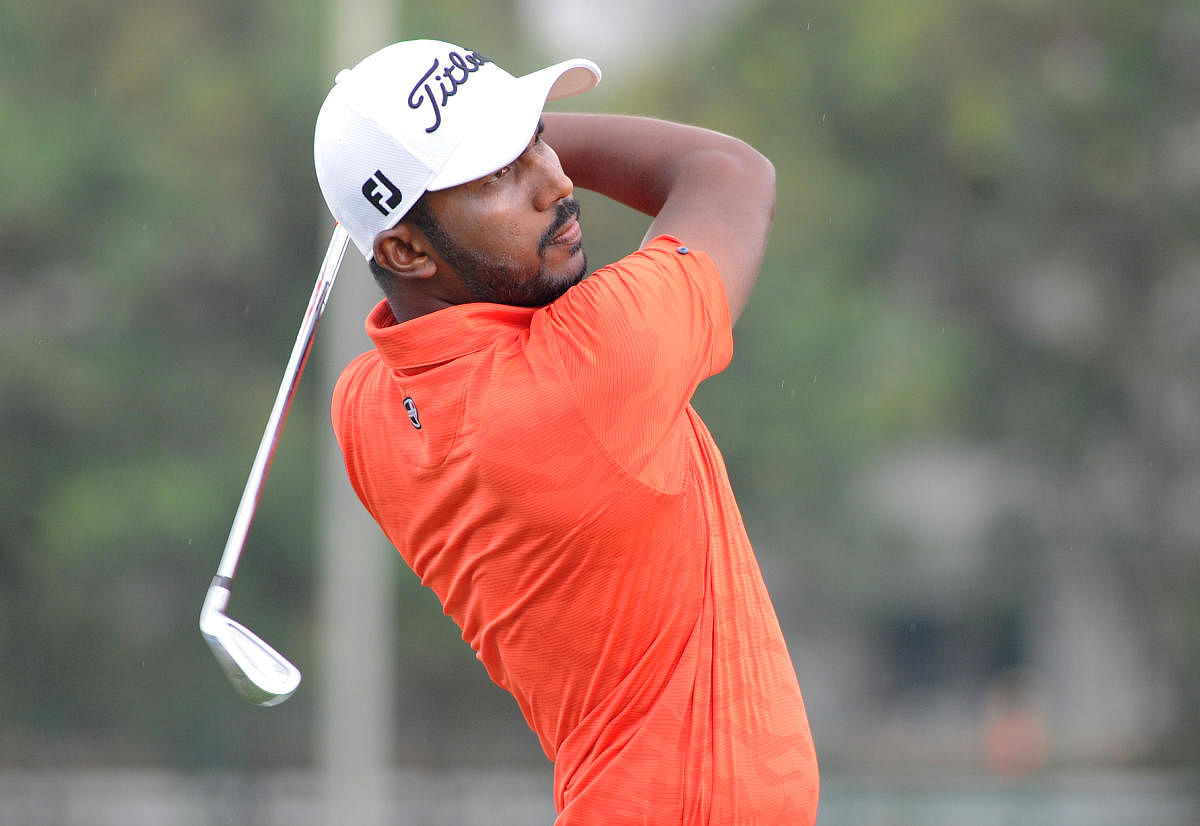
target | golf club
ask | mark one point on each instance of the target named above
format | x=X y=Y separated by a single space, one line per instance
x=260 y=673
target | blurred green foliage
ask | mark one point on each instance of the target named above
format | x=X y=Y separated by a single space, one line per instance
x=985 y=235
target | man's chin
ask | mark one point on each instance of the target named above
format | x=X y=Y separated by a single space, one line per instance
x=580 y=273
x=556 y=287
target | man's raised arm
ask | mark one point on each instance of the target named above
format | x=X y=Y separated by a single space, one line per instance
x=710 y=190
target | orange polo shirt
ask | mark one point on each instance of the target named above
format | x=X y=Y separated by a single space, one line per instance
x=543 y=472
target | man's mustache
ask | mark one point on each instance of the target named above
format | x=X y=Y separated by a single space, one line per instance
x=567 y=209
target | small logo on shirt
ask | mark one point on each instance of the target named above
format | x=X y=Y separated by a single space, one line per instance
x=411 y=407
x=373 y=189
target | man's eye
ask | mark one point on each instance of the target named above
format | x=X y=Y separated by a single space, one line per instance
x=500 y=173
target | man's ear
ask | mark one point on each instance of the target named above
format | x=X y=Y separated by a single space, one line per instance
x=404 y=250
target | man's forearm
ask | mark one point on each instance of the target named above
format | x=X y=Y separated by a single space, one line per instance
x=708 y=189
x=634 y=160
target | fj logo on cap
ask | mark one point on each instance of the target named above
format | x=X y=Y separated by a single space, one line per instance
x=376 y=187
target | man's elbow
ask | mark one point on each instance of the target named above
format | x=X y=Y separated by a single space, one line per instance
x=757 y=174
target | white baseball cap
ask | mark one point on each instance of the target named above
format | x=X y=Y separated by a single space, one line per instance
x=425 y=115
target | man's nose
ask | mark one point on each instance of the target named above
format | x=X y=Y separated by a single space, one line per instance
x=556 y=184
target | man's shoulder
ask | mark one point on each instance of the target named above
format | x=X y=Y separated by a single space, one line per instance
x=348 y=389
x=359 y=367
x=659 y=251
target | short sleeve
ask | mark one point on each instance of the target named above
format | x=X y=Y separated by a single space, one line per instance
x=635 y=340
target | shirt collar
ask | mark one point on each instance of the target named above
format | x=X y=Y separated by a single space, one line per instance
x=443 y=335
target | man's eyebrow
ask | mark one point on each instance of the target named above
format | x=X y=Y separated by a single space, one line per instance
x=541 y=126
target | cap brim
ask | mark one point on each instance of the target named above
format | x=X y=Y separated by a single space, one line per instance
x=506 y=127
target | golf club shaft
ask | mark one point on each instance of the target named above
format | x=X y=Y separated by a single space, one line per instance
x=283 y=400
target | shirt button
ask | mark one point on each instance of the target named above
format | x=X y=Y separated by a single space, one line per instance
x=683 y=250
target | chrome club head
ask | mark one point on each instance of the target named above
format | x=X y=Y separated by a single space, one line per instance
x=258 y=672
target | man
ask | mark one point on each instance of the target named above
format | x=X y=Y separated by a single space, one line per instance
x=522 y=431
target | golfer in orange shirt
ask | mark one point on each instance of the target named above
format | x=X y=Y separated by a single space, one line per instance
x=522 y=431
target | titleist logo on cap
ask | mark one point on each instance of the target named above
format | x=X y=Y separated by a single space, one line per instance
x=461 y=67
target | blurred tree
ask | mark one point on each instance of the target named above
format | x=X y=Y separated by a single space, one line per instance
x=153 y=215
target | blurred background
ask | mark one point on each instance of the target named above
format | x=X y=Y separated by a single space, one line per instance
x=963 y=420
